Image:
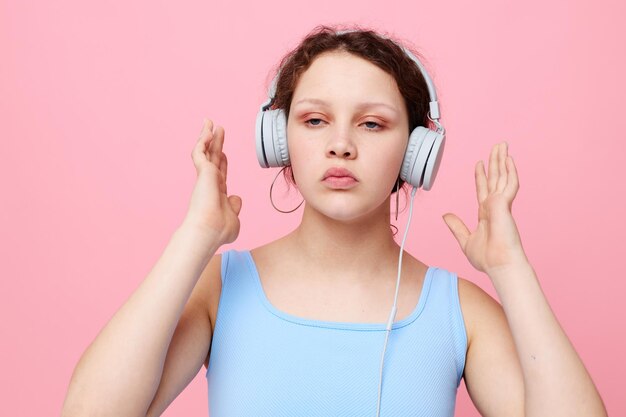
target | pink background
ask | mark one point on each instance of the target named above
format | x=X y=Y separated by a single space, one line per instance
x=101 y=103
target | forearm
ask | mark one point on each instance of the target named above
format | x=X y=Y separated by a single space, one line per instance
x=555 y=379
x=120 y=371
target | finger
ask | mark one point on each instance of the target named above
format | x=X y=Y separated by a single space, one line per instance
x=198 y=154
x=224 y=165
x=493 y=169
x=206 y=131
x=481 y=182
x=458 y=228
x=235 y=203
x=502 y=174
x=512 y=184
x=207 y=124
x=215 y=148
x=207 y=128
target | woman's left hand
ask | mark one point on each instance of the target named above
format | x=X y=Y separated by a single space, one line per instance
x=496 y=242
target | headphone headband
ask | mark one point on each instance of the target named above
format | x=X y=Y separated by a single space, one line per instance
x=422 y=154
x=434 y=113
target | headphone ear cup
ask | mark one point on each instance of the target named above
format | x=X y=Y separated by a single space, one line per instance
x=407 y=173
x=422 y=157
x=280 y=138
x=434 y=160
x=271 y=138
x=260 y=147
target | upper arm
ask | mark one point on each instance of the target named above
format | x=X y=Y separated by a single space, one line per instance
x=191 y=340
x=493 y=374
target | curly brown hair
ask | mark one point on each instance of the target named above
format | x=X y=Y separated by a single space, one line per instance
x=381 y=51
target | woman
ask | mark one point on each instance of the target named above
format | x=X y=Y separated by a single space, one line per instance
x=303 y=320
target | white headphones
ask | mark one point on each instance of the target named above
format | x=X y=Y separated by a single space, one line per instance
x=421 y=159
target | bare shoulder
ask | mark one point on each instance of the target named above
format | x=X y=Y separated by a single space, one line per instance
x=493 y=374
x=477 y=306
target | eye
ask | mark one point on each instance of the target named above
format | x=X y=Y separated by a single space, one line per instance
x=313 y=122
x=372 y=125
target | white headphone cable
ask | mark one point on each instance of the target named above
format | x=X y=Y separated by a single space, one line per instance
x=394 y=309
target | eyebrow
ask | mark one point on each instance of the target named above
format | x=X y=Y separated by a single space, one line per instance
x=362 y=105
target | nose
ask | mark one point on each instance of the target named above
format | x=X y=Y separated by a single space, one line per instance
x=341 y=145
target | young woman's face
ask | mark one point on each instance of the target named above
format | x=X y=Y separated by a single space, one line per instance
x=346 y=114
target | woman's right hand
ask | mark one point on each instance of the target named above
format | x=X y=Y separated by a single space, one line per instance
x=211 y=209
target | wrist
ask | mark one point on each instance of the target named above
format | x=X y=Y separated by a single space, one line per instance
x=204 y=238
x=515 y=267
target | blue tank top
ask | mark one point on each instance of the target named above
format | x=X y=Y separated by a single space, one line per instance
x=265 y=362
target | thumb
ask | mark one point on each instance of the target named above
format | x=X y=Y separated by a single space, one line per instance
x=235 y=203
x=458 y=228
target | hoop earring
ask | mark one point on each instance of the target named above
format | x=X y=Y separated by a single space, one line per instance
x=272 y=201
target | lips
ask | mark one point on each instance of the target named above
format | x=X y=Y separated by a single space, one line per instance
x=339 y=179
x=339 y=173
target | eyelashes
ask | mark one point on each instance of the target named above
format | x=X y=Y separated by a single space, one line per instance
x=309 y=122
x=376 y=125
x=369 y=125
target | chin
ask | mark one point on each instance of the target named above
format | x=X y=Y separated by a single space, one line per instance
x=347 y=212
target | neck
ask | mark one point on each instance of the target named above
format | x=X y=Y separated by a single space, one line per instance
x=351 y=250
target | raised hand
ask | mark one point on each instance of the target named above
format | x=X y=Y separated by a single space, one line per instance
x=496 y=242
x=210 y=208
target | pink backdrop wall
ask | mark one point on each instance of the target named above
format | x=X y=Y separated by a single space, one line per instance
x=101 y=103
